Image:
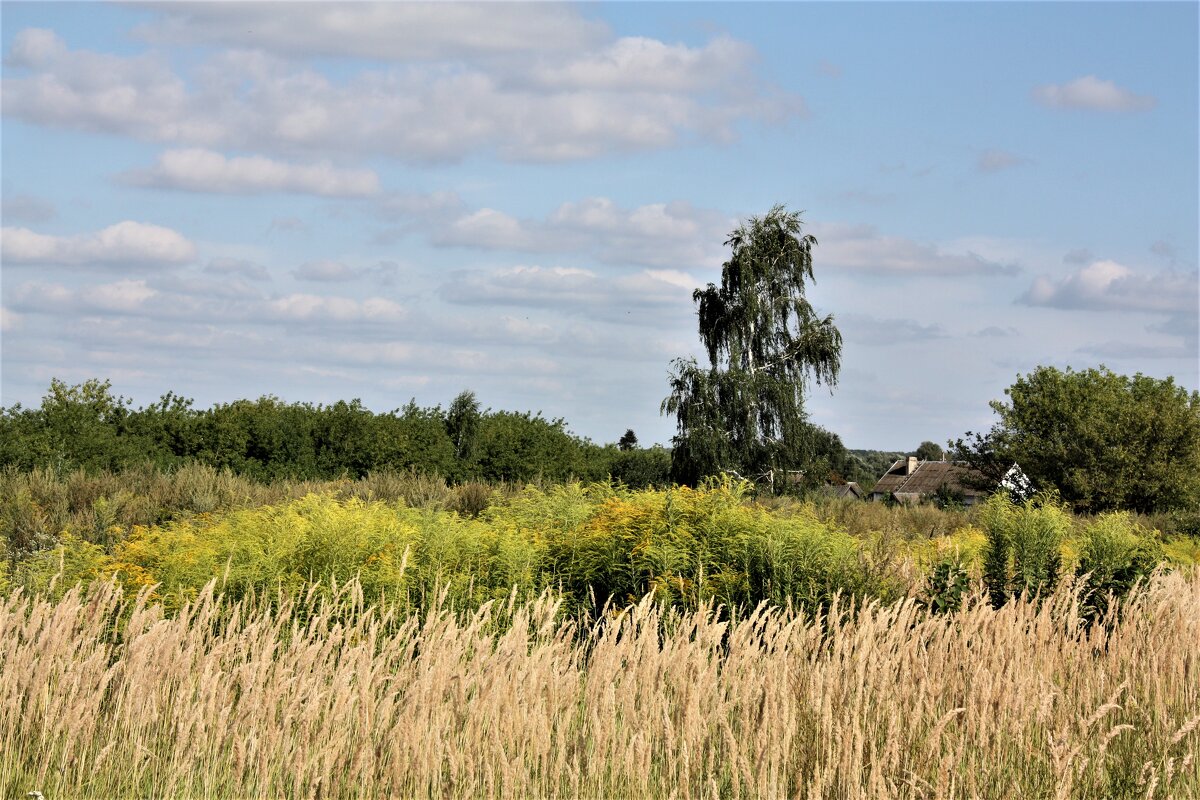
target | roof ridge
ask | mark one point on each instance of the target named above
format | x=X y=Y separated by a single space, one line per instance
x=909 y=476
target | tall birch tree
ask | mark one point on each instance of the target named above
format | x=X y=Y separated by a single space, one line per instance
x=744 y=414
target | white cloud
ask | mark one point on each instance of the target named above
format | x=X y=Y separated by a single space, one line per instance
x=329 y=271
x=1107 y=285
x=127 y=295
x=379 y=31
x=34 y=47
x=650 y=297
x=200 y=170
x=1092 y=94
x=126 y=243
x=673 y=234
x=862 y=247
x=525 y=286
x=625 y=95
x=309 y=307
x=120 y=297
x=997 y=160
x=636 y=63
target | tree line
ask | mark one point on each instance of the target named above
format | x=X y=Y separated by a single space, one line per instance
x=87 y=426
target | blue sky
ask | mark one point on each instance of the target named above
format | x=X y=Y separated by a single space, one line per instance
x=328 y=201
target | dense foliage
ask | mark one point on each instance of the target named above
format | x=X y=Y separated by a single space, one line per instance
x=743 y=415
x=87 y=426
x=1103 y=441
x=410 y=538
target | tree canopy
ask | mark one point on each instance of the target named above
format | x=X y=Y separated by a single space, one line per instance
x=89 y=427
x=744 y=412
x=1104 y=441
x=929 y=451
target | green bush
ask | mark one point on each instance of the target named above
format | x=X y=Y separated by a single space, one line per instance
x=1114 y=556
x=1023 y=555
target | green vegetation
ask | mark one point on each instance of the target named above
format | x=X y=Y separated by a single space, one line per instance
x=88 y=427
x=1105 y=442
x=408 y=538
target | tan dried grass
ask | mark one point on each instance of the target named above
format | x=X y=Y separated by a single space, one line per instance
x=104 y=696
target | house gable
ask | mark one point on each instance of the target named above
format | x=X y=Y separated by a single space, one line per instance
x=911 y=482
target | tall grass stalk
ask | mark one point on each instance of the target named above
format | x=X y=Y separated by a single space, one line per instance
x=323 y=694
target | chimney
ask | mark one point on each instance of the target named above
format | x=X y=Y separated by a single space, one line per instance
x=912 y=465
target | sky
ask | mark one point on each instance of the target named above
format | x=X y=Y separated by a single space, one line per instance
x=402 y=201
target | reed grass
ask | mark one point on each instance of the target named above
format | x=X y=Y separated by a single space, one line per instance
x=323 y=694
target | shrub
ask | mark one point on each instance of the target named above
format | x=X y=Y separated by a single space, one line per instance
x=1114 y=556
x=470 y=499
x=1022 y=555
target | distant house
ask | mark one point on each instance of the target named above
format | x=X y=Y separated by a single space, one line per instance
x=910 y=480
x=839 y=490
x=851 y=490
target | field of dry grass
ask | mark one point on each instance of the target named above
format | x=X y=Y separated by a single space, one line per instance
x=105 y=696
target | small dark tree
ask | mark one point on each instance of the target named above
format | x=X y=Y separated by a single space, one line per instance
x=929 y=451
x=744 y=413
x=628 y=441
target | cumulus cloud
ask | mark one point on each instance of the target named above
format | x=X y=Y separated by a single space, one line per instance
x=379 y=31
x=121 y=297
x=27 y=208
x=329 y=271
x=200 y=170
x=863 y=248
x=1107 y=285
x=310 y=307
x=658 y=234
x=182 y=299
x=126 y=243
x=646 y=297
x=620 y=95
x=1092 y=94
x=34 y=47
x=126 y=295
x=997 y=160
x=641 y=64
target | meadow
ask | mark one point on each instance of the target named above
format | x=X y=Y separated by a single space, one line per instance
x=195 y=634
